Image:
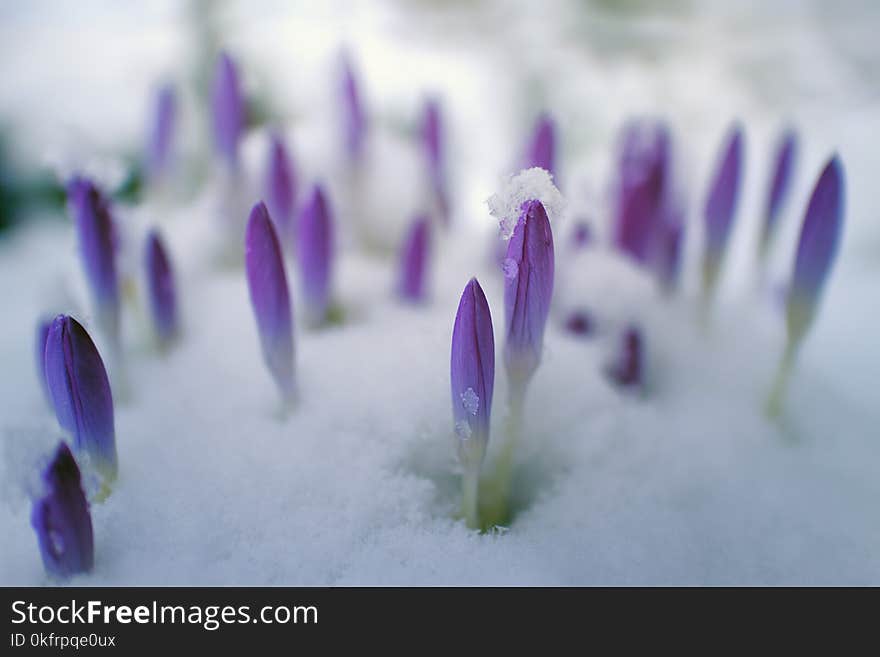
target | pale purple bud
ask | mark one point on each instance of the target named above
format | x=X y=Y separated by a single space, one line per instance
x=270 y=298
x=315 y=255
x=721 y=205
x=627 y=369
x=281 y=190
x=528 y=288
x=582 y=235
x=228 y=110
x=433 y=140
x=780 y=185
x=161 y=132
x=414 y=261
x=541 y=151
x=354 y=118
x=472 y=374
x=161 y=295
x=80 y=392
x=61 y=518
x=668 y=248
x=42 y=334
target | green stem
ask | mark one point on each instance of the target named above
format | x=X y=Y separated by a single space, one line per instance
x=470 y=484
x=496 y=508
x=774 y=403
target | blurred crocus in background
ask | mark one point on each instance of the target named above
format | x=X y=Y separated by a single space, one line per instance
x=161 y=134
x=354 y=119
x=161 y=294
x=433 y=136
x=228 y=111
x=315 y=256
x=541 y=150
x=280 y=190
x=778 y=189
x=414 y=256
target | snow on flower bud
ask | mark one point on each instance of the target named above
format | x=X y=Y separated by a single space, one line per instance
x=161 y=132
x=354 y=118
x=281 y=191
x=315 y=255
x=61 y=518
x=627 y=369
x=42 y=334
x=270 y=299
x=541 y=151
x=433 y=141
x=228 y=110
x=528 y=288
x=780 y=185
x=80 y=392
x=720 y=208
x=414 y=255
x=161 y=294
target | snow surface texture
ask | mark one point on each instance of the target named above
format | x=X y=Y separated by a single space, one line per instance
x=689 y=485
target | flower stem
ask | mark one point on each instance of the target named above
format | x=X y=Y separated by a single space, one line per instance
x=496 y=510
x=774 y=403
x=470 y=483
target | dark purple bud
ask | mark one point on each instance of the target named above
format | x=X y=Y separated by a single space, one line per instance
x=160 y=288
x=228 y=110
x=780 y=184
x=270 y=299
x=433 y=140
x=414 y=261
x=541 y=151
x=580 y=322
x=582 y=235
x=40 y=354
x=721 y=206
x=627 y=368
x=528 y=288
x=472 y=374
x=161 y=132
x=281 y=190
x=61 y=518
x=315 y=255
x=97 y=247
x=817 y=247
x=80 y=392
x=668 y=248
x=355 y=121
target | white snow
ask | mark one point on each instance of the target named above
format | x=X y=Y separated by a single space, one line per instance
x=535 y=184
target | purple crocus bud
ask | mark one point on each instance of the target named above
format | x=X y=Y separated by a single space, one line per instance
x=780 y=185
x=413 y=261
x=627 y=368
x=61 y=518
x=315 y=251
x=270 y=299
x=281 y=190
x=80 y=392
x=472 y=373
x=96 y=236
x=668 y=248
x=433 y=140
x=581 y=236
x=580 y=323
x=541 y=151
x=528 y=287
x=354 y=118
x=160 y=288
x=40 y=353
x=817 y=248
x=161 y=132
x=228 y=110
x=721 y=207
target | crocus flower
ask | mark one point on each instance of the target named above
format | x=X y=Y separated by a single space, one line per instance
x=160 y=288
x=80 y=392
x=720 y=208
x=315 y=255
x=413 y=261
x=541 y=151
x=627 y=368
x=228 y=111
x=528 y=287
x=472 y=377
x=161 y=132
x=668 y=248
x=579 y=322
x=270 y=299
x=61 y=518
x=433 y=142
x=281 y=190
x=780 y=184
x=42 y=334
x=95 y=232
x=354 y=118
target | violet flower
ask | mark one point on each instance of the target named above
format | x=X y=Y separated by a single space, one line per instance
x=668 y=248
x=80 y=392
x=780 y=185
x=580 y=323
x=541 y=151
x=161 y=132
x=61 y=518
x=228 y=111
x=315 y=255
x=42 y=334
x=720 y=208
x=270 y=299
x=281 y=191
x=472 y=377
x=433 y=141
x=627 y=369
x=161 y=294
x=414 y=255
x=354 y=118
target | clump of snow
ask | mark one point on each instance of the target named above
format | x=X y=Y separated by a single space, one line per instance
x=535 y=184
x=471 y=401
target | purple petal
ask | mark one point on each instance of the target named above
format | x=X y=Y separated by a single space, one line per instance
x=413 y=261
x=541 y=151
x=160 y=288
x=281 y=190
x=162 y=132
x=40 y=356
x=315 y=255
x=668 y=248
x=780 y=184
x=228 y=110
x=355 y=122
x=61 y=518
x=723 y=194
x=80 y=392
x=627 y=368
x=270 y=299
x=472 y=373
x=528 y=288
x=817 y=247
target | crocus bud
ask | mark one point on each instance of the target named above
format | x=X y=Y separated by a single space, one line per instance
x=580 y=323
x=160 y=289
x=281 y=191
x=668 y=251
x=413 y=261
x=721 y=208
x=780 y=184
x=626 y=370
x=40 y=353
x=581 y=236
x=95 y=232
x=433 y=140
x=228 y=111
x=315 y=255
x=161 y=132
x=528 y=288
x=354 y=118
x=61 y=518
x=80 y=392
x=541 y=151
x=270 y=299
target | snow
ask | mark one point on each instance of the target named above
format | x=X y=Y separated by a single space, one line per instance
x=689 y=484
x=535 y=184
